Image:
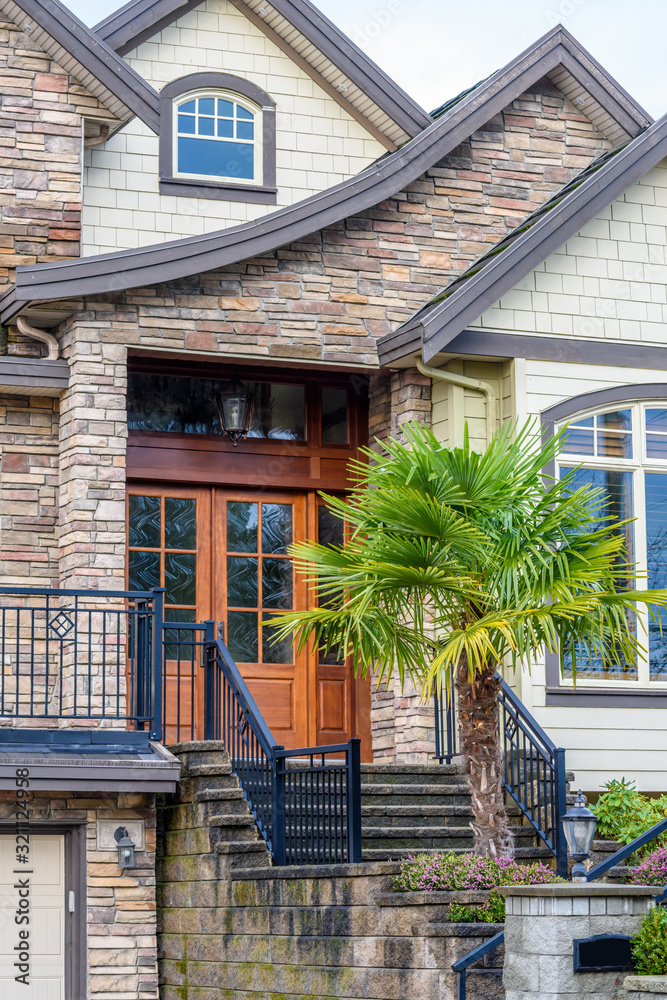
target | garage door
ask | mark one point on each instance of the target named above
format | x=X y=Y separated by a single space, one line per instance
x=46 y=977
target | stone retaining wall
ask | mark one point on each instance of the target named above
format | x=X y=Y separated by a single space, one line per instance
x=325 y=932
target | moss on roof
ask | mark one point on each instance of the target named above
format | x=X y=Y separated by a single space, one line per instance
x=507 y=241
x=439 y=112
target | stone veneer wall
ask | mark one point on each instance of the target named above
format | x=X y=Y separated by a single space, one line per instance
x=121 y=917
x=41 y=111
x=28 y=490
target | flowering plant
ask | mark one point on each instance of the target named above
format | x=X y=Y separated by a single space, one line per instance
x=431 y=872
x=652 y=870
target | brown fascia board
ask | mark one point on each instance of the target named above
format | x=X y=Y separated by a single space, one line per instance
x=95 y=56
x=182 y=258
x=141 y=19
x=435 y=326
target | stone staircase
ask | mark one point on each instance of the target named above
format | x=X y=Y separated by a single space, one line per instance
x=412 y=809
x=208 y=815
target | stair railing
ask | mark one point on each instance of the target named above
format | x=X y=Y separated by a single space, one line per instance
x=306 y=802
x=461 y=966
x=534 y=774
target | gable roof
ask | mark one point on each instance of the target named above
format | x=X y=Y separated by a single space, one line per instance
x=89 y=59
x=297 y=26
x=435 y=325
x=181 y=258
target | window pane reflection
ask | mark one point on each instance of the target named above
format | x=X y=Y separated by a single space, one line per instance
x=615 y=502
x=183 y=405
x=656 y=552
x=334 y=415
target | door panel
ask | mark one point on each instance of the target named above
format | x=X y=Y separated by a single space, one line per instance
x=169 y=546
x=255 y=578
x=46 y=980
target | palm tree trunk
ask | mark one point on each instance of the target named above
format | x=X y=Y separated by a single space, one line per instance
x=479 y=730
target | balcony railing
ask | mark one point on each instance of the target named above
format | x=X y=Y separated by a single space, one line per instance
x=104 y=668
x=80 y=660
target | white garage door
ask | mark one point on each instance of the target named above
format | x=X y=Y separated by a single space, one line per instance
x=46 y=977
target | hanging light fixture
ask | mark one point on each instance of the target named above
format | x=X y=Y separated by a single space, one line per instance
x=126 y=848
x=235 y=406
x=579 y=829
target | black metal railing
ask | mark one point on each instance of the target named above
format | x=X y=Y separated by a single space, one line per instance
x=461 y=966
x=306 y=802
x=624 y=852
x=91 y=658
x=534 y=772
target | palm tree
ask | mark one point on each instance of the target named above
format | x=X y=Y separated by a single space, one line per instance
x=458 y=562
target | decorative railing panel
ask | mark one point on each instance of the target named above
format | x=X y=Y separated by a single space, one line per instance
x=534 y=767
x=83 y=656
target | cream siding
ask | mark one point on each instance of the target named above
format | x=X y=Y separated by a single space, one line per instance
x=318 y=143
x=607 y=282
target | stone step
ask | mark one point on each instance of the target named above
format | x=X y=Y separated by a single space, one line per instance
x=218 y=794
x=208 y=770
x=405 y=816
x=416 y=795
x=242 y=847
x=407 y=774
x=232 y=819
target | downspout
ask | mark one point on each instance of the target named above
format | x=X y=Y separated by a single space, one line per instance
x=468 y=383
x=42 y=335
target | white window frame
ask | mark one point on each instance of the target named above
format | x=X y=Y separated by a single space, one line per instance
x=257 y=142
x=638 y=464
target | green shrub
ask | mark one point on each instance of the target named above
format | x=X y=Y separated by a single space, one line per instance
x=649 y=945
x=623 y=813
x=491 y=912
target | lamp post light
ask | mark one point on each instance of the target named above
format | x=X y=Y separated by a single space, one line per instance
x=235 y=406
x=579 y=829
x=126 y=848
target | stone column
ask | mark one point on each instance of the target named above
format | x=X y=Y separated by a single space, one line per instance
x=402 y=728
x=93 y=437
x=541 y=924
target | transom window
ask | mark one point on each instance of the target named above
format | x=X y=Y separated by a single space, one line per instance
x=217 y=136
x=624 y=451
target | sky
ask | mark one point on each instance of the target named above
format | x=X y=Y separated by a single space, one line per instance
x=436 y=48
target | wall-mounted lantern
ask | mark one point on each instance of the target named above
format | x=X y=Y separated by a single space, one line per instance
x=235 y=406
x=579 y=829
x=126 y=848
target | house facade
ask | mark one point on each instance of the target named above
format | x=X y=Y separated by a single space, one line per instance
x=229 y=197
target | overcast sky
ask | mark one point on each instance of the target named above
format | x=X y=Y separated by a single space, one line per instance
x=435 y=48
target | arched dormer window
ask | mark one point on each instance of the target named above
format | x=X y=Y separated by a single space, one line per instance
x=617 y=440
x=217 y=139
x=217 y=135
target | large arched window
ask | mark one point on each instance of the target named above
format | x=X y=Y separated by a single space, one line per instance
x=217 y=139
x=620 y=445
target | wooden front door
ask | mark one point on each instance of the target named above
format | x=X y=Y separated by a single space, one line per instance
x=222 y=554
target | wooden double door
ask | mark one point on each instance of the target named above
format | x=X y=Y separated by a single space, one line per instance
x=223 y=554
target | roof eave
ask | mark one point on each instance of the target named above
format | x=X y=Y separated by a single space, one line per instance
x=96 y=66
